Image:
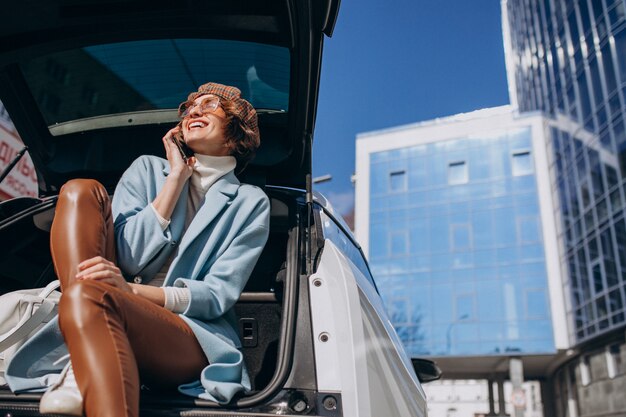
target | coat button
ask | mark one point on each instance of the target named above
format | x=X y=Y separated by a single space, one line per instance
x=173 y=243
x=137 y=280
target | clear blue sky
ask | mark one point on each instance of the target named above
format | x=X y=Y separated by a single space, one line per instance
x=396 y=62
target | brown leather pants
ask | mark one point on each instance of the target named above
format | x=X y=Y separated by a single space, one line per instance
x=113 y=337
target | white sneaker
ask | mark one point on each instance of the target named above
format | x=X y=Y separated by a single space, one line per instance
x=63 y=397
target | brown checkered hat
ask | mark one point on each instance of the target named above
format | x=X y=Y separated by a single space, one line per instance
x=244 y=109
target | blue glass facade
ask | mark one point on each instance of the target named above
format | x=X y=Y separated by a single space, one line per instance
x=455 y=244
x=569 y=61
x=594 y=232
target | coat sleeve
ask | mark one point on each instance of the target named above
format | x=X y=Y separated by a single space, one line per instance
x=138 y=234
x=221 y=287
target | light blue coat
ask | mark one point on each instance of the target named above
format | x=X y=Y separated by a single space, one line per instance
x=214 y=260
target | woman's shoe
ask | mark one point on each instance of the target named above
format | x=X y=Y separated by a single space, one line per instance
x=63 y=397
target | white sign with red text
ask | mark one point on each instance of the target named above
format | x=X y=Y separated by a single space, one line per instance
x=22 y=180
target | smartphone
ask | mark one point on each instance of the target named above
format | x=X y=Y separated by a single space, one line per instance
x=184 y=150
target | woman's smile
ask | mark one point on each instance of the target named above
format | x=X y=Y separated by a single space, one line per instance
x=197 y=124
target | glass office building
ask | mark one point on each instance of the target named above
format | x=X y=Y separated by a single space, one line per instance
x=456 y=245
x=451 y=216
x=594 y=233
x=568 y=59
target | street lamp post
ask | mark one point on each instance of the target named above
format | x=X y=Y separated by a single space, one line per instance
x=449 y=331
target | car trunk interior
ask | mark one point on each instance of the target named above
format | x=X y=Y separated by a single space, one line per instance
x=26 y=263
x=101 y=144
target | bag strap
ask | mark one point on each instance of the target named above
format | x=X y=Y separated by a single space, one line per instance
x=45 y=292
x=27 y=324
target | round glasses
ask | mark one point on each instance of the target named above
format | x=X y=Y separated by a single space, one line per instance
x=208 y=105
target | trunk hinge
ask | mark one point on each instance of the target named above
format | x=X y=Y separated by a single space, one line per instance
x=309 y=203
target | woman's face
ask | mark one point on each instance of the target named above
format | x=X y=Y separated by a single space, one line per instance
x=203 y=129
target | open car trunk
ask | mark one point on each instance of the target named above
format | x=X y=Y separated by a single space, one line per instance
x=92 y=85
x=267 y=308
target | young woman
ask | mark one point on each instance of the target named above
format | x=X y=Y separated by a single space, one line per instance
x=187 y=234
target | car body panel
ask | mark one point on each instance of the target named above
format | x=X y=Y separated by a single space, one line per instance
x=356 y=348
x=337 y=332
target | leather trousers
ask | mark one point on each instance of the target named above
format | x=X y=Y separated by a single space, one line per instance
x=115 y=338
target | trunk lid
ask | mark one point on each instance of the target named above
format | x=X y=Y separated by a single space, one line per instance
x=91 y=85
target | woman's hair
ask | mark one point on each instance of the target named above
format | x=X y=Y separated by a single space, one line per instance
x=242 y=140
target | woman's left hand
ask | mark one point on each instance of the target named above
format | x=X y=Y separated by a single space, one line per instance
x=103 y=270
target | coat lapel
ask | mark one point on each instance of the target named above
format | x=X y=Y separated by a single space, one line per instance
x=180 y=210
x=215 y=201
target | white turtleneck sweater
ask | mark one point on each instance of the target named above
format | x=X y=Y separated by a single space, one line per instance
x=206 y=171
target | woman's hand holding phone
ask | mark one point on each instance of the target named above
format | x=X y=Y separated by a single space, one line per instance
x=180 y=164
x=180 y=171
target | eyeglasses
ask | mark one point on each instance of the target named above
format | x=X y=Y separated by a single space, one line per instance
x=208 y=105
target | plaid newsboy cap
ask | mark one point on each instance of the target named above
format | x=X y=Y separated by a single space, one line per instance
x=244 y=109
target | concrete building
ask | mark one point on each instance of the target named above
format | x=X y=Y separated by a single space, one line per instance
x=458 y=398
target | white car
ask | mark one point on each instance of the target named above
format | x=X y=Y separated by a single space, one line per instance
x=82 y=80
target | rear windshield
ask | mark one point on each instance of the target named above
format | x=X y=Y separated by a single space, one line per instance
x=156 y=74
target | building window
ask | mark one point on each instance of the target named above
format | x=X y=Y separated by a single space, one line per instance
x=464 y=307
x=535 y=303
x=451 y=412
x=596 y=273
x=528 y=229
x=457 y=173
x=397 y=181
x=398 y=242
x=522 y=163
x=461 y=236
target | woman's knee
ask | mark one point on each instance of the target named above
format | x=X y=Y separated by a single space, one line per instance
x=80 y=190
x=82 y=302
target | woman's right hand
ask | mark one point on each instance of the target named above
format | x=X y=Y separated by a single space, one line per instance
x=180 y=172
x=178 y=168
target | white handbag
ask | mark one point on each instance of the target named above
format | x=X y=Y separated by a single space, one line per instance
x=22 y=313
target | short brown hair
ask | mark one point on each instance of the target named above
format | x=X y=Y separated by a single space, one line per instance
x=240 y=138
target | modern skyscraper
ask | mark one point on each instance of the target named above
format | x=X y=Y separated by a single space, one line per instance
x=567 y=59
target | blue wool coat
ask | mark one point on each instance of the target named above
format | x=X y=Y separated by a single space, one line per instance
x=214 y=259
